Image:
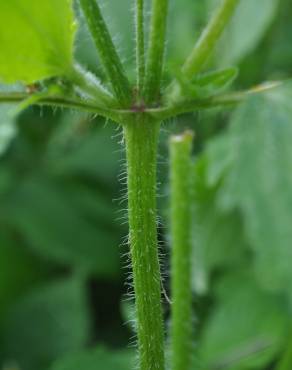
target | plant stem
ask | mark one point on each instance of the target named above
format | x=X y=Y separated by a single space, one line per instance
x=140 y=45
x=156 y=50
x=181 y=324
x=209 y=38
x=107 y=51
x=141 y=135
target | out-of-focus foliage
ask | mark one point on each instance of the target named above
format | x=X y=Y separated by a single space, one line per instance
x=258 y=163
x=240 y=37
x=52 y=320
x=61 y=276
x=242 y=208
x=119 y=360
x=59 y=176
x=242 y=212
x=247 y=327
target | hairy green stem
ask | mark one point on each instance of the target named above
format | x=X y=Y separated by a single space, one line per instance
x=107 y=51
x=218 y=100
x=141 y=136
x=181 y=323
x=209 y=38
x=140 y=45
x=156 y=50
x=64 y=102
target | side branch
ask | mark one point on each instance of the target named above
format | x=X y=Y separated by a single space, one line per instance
x=156 y=50
x=209 y=38
x=220 y=100
x=181 y=292
x=140 y=45
x=62 y=102
x=157 y=114
x=107 y=51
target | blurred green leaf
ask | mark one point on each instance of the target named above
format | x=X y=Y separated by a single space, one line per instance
x=186 y=18
x=45 y=324
x=36 y=39
x=276 y=51
x=285 y=363
x=26 y=271
x=246 y=328
x=220 y=157
x=247 y=28
x=218 y=239
x=57 y=228
x=77 y=147
x=258 y=167
x=99 y=358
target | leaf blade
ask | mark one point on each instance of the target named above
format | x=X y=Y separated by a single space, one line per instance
x=36 y=40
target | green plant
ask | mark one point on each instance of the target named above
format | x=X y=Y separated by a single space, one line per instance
x=140 y=107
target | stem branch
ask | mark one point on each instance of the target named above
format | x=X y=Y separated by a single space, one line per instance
x=209 y=38
x=107 y=51
x=140 y=45
x=63 y=102
x=181 y=328
x=156 y=49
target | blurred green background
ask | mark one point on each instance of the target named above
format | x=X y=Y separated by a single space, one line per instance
x=64 y=287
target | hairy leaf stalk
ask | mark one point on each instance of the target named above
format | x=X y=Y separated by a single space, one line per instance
x=141 y=136
x=181 y=328
x=107 y=51
x=155 y=57
x=209 y=38
x=140 y=42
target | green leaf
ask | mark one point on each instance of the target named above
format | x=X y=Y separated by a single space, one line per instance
x=99 y=358
x=26 y=272
x=202 y=86
x=220 y=157
x=36 y=39
x=55 y=226
x=248 y=26
x=93 y=153
x=257 y=162
x=45 y=324
x=285 y=361
x=246 y=328
x=187 y=18
x=218 y=239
